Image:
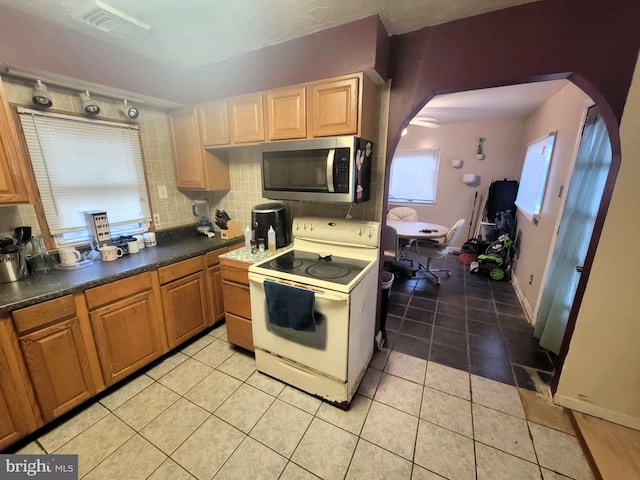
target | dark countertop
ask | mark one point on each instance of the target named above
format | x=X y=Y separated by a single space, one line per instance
x=173 y=246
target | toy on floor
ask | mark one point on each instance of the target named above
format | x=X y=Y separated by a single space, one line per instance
x=496 y=261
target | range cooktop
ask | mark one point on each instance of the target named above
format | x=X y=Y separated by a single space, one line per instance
x=313 y=265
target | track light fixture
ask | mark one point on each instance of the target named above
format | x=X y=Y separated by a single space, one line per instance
x=90 y=106
x=40 y=97
x=130 y=111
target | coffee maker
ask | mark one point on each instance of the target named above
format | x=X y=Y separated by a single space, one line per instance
x=200 y=209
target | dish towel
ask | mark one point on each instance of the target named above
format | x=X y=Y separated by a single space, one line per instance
x=290 y=307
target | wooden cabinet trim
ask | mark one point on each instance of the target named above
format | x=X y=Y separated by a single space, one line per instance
x=212 y=258
x=179 y=269
x=235 y=271
x=45 y=313
x=239 y=331
x=116 y=290
x=13 y=187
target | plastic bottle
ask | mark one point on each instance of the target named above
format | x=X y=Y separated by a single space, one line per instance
x=271 y=239
x=247 y=238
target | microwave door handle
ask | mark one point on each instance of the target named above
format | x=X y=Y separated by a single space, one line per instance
x=330 y=158
x=318 y=294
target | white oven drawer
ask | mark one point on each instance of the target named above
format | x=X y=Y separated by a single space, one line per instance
x=325 y=350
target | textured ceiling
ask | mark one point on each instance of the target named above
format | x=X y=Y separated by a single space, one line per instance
x=190 y=33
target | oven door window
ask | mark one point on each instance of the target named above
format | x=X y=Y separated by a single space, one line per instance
x=301 y=171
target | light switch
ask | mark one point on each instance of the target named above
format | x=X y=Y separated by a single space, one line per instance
x=162 y=191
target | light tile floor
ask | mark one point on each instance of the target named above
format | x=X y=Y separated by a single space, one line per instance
x=205 y=412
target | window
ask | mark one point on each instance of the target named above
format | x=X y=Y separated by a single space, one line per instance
x=83 y=165
x=533 y=179
x=414 y=176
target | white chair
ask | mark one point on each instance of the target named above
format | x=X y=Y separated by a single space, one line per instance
x=434 y=250
x=404 y=214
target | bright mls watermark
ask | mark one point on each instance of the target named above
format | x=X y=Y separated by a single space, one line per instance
x=50 y=467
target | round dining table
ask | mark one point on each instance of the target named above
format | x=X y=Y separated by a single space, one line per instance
x=418 y=230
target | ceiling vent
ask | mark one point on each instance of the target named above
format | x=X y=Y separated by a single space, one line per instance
x=112 y=20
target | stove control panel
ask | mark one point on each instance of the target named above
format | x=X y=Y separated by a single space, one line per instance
x=337 y=230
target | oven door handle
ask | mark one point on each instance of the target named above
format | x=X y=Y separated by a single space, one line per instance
x=317 y=293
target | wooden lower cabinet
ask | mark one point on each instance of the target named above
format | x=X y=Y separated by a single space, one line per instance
x=127 y=322
x=184 y=300
x=237 y=302
x=55 y=350
x=17 y=405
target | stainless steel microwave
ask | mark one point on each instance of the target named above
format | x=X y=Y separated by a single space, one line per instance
x=332 y=169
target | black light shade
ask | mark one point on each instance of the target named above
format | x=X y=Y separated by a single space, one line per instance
x=90 y=106
x=40 y=96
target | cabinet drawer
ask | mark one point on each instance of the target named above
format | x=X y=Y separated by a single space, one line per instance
x=236 y=299
x=211 y=258
x=239 y=331
x=235 y=271
x=31 y=318
x=179 y=269
x=114 y=291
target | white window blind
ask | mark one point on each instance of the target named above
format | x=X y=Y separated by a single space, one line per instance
x=414 y=175
x=83 y=165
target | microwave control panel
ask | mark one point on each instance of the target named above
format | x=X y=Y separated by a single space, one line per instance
x=341 y=171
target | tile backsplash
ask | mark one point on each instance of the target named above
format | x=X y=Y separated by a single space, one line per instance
x=244 y=168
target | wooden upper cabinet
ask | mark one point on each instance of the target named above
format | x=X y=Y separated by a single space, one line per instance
x=196 y=168
x=214 y=124
x=334 y=107
x=12 y=182
x=287 y=113
x=246 y=118
x=56 y=353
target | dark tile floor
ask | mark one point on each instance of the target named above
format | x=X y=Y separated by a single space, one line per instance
x=469 y=322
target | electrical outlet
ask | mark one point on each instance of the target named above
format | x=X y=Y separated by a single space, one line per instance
x=156 y=218
x=162 y=191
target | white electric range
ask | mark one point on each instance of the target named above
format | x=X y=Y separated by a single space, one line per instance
x=336 y=260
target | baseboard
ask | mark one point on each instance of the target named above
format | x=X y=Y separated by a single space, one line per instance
x=597 y=411
x=524 y=302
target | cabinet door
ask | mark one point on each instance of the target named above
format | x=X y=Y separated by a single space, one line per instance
x=12 y=185
x=246 y=119
x=127 y=334
x=239 y=331
x=214 y=276
x=333 y=107
x=57 y=361
x=185 y=307
x=187 y=149
x=214 y=124
x=16 y=416
x=287 y=113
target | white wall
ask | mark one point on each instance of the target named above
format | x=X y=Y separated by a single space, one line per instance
x=563 y=112
x=460 y=141
x=601 y=374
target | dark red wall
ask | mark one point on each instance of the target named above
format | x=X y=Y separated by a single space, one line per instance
x=593 y=43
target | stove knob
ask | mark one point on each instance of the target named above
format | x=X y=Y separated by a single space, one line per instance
x=359 y=232
x=370 y=234
x=312 y=227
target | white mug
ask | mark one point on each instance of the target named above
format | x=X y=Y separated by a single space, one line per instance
x=69 y=256
x=109 y=253
x=149 y=239
x=133 y=246
x=140 y=240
